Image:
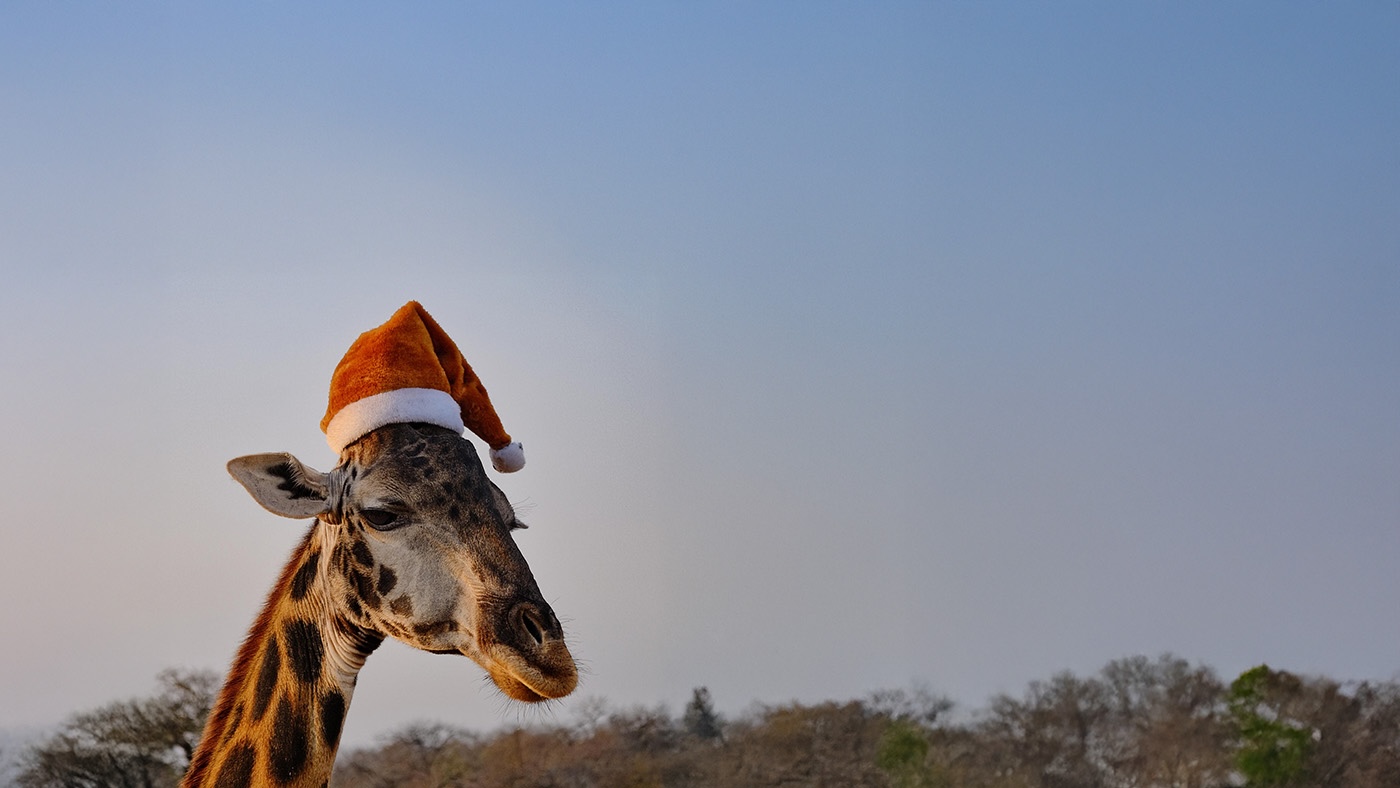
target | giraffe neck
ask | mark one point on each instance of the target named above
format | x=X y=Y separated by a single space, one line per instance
x=278 y=718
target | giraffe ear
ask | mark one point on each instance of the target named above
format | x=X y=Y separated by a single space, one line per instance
x=282 y=484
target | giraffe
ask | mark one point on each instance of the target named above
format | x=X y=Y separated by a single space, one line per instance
x=412 y=541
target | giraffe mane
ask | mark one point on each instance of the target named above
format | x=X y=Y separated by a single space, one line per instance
x=243 y=665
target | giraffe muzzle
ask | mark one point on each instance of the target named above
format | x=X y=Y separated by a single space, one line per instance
x=531 y=661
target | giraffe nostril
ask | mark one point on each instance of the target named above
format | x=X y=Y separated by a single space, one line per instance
x=533 y=627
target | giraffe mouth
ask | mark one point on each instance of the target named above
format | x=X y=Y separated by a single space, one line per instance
x=519 y=680
x=516 y=689
x=545 y=674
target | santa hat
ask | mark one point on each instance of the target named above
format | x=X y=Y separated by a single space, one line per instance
x=410 y=370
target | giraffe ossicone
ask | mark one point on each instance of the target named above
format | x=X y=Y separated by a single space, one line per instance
x=411 y=540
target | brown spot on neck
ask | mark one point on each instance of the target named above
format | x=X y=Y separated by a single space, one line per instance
x=267 y=727
x=246 y=667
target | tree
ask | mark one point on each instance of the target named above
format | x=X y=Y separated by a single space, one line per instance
x=1272 y=747
x=139 y=743
x=903 y=750
x=918 y=706
x=1293 y=730
x=823 y=746
x=903 y=753
x=1374 y=740
x=700 y=719
x=1056 y=736
x=419 y=754
x=1168 y=723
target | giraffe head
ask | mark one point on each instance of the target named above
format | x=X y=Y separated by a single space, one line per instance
x=416 y=544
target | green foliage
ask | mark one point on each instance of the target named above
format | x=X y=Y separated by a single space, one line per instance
x=903 y=750
x=1273 y=749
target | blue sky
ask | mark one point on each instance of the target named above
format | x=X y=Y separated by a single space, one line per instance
x=854 y=346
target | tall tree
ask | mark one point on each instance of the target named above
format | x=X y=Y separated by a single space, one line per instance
x=700 y=719
x=1273 y=747
x=139 y=743
x=1167 y=723
x=1056 y=735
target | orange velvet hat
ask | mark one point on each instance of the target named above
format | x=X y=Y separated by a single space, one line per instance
x=410 y=370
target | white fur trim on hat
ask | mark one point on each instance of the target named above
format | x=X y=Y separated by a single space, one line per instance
x=509 y=458
x=398 y=406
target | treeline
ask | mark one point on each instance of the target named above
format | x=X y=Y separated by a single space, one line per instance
x=1137 y=723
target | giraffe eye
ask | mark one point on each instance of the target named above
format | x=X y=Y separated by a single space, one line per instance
x=380 y=519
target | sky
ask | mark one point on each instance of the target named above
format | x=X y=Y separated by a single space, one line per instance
x=855 y=346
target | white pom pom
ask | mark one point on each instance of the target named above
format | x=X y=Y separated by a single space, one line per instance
x=509 y=458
